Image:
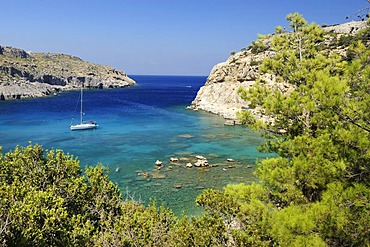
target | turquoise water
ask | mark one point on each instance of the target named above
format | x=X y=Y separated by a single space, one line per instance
x=138 y=126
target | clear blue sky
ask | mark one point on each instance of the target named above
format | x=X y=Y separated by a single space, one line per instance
x=155 y=37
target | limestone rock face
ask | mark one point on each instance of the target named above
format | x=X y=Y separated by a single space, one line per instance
x=28 y=75
x=220 y=94
x=347 y=28
x=13 y=52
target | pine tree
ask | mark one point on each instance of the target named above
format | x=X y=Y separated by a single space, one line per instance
x=316 y=191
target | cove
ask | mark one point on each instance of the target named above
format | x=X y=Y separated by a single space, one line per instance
x=137 y=126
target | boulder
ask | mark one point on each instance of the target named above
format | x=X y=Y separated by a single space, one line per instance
x=158 y=163
x=143 y=174
x=201 y=163
x=178 y=186
x=189 y=165
x=200 y=157
x=174 y=160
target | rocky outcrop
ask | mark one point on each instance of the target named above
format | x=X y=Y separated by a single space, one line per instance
x=28 y=75
x=13 y=52
x=347 y=28
x=220 y=94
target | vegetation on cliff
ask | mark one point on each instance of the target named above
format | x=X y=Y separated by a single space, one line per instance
x=315 y=192
x=220 y=95
x=318 y=187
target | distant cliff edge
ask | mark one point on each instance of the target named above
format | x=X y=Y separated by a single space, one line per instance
x=30 y=75
x=220 y=94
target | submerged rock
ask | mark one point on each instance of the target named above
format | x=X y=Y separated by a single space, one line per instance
x=189 y=165
x=232 y=122
x=144 y=174
x=174 y=160
x=201 y=163
x=200 y=157
x=158 y=163
x=186 y=136
x=159 y=175
x=178 y=186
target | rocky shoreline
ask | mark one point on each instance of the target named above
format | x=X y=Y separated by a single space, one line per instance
x=29 y=75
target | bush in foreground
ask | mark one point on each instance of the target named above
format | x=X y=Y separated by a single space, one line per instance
x=46 y=200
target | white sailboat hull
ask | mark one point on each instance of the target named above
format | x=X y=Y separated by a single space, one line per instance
x=83 y=126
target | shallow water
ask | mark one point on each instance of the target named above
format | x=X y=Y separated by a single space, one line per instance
x=138 y=126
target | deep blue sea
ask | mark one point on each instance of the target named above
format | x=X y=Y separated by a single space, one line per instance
x=137 y=126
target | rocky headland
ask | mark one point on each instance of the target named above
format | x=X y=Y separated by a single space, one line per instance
x=29 y=75
x=220 y=94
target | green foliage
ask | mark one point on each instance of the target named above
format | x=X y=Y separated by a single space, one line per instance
x=318 y=188
x=244 y=209
x=36 y=194
x=295 y=226
x=247 y=117
x=217 y=201
x=343 y=214
x=210 y=231
x=345 y=40
x=293 y=49
x=46 y=200
x=259 y=45
x=255 y=63
x=296 y=21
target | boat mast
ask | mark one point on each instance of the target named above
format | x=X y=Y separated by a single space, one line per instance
x=81 y=103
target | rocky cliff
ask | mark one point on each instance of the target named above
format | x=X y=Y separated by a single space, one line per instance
x=220 y=95
x=27 y=75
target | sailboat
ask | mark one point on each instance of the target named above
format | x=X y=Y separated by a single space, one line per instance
x=82 y=125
